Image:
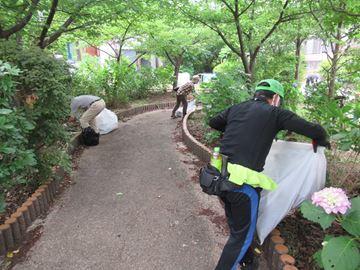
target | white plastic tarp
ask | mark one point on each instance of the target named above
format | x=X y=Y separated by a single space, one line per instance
x=106 y=121
x=299 y=172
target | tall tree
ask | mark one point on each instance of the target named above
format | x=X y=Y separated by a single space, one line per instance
x=174 y=40
x=244 y=26
x=15 y=15
x=338 y=26
x=47 y=20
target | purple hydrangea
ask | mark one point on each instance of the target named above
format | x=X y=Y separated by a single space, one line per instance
x=333 y=200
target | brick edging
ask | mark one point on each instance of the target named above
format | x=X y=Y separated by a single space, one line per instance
x=276 y=253
x=145 y=108
x=13 y=231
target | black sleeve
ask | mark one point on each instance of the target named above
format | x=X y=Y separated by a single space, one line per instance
x=219 y=122
x=288 y=120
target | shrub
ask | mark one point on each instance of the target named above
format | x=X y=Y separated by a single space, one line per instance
x=227 y=89
x=16 y=160
x=89 y=78
x=42 y=94
x=339 y=118
x=118 y=83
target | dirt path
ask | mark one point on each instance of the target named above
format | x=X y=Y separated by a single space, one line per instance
x=133 y=206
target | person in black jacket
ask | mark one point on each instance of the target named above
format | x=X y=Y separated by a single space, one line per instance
x=249 y=129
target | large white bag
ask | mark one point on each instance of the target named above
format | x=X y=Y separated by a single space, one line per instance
x=106 y=121
x=299 y=172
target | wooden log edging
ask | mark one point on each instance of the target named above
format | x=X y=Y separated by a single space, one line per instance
x=274 y=248
x=13 y=231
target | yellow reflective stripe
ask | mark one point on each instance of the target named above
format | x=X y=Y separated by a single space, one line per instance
x=240 y=175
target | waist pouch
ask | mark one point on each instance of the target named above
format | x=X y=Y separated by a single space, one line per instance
x=212 y=182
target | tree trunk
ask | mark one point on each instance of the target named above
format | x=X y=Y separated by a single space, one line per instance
x=333 y=70
x=178 y=63
x=48 y=23
x=118 y=58
x=297 y=58
x=334 y=62
x=251 y=69
x=5 y=34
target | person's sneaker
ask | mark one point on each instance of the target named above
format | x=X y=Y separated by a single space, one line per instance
x=173 y=117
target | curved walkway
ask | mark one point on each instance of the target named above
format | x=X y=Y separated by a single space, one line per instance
x=132 y=207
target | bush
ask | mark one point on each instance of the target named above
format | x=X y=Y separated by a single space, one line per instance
x=16 y=160
x=227 y=89
x=42 y=97
x=340 y=118
x=118 y=83
x=89 y=78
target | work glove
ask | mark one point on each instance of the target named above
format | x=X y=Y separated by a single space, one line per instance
x=323 y=142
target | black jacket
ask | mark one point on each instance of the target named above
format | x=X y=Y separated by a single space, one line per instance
x=250 y=128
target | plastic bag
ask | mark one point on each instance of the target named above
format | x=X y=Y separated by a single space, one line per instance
x=299 y=172
x=191 y=107
x=106 y=121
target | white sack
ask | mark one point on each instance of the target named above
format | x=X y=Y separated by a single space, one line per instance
x=299 y=172
x=106 y=121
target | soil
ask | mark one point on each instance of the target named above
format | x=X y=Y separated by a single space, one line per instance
x=16 y=198
x=302 y=236
x=197 y=129
x=17 y=195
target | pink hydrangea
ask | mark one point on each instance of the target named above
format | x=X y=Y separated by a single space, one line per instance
x=333 y=200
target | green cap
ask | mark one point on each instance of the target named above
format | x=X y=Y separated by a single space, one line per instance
x=271 y=85
x=217 y=149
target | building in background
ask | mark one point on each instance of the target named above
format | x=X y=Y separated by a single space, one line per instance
x=315 y=54
x=109 y=50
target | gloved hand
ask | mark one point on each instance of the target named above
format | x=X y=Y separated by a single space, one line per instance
x=323 y=142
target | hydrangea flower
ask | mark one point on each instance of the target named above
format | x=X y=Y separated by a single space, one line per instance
x=333 y=200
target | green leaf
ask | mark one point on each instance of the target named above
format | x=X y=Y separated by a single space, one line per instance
x=341 y=253
x=7 y=127
x=339 y=136
x=317 y=258
x=351 y=223
x=7 y=150
x=316 y=214
x=5 y=111
x=355 y=205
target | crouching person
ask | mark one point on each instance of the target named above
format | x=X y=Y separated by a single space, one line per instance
x=92 y=105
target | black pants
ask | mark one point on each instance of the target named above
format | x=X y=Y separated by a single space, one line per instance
x=180 y=99
x=241 y=209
